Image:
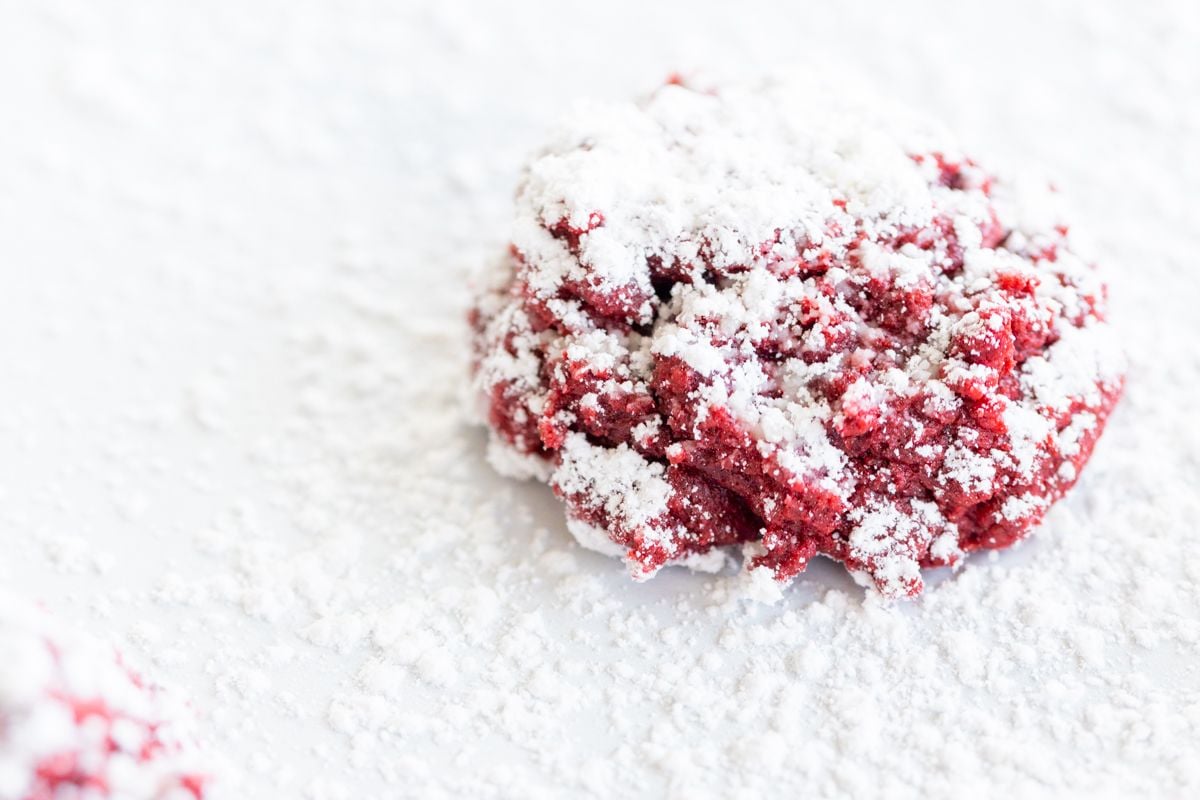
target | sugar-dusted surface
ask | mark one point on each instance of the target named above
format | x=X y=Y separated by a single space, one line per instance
x=231 y=243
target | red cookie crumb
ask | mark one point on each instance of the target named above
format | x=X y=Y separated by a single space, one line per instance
x=781 y=317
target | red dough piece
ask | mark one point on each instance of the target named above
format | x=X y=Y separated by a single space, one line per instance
x=772 y=316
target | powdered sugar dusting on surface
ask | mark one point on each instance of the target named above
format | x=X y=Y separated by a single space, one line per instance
x=233 y=439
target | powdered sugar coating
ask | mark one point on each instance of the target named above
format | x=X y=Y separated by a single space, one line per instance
x=777 y=312
x=75 y=722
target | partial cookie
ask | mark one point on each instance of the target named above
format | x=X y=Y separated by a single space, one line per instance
x=76 y=722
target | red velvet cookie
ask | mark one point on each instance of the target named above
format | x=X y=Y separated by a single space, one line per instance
x=75 y=722
x=779 y=317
